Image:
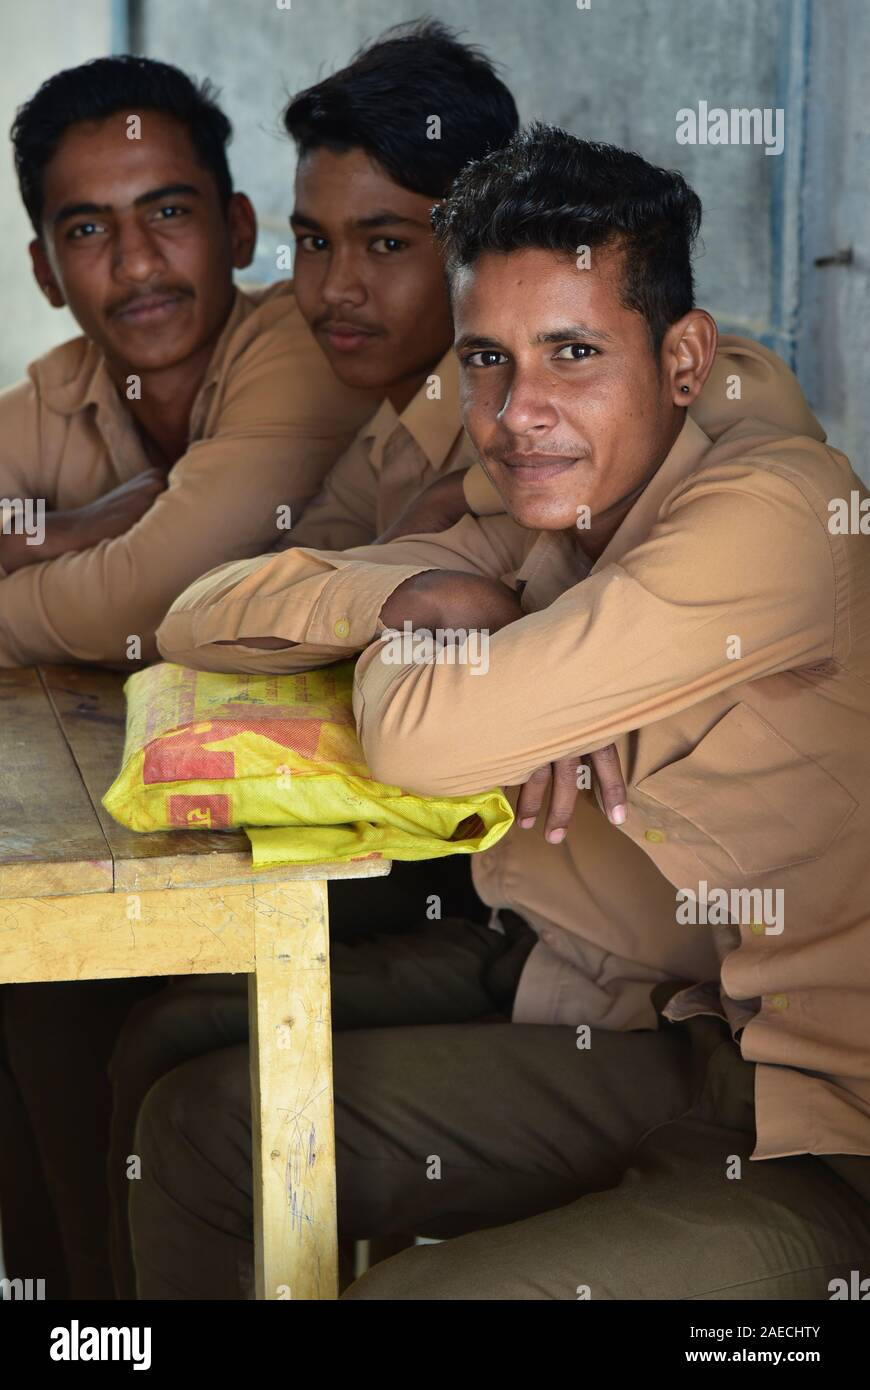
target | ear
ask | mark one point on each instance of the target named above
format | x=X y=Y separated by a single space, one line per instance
x=688 y=353
x=44 y=275
x=243 y=230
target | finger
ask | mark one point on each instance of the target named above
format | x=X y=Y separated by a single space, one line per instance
x=531 y=797
x=563 y=798
x=611 y=783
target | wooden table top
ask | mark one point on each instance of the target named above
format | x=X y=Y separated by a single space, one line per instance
x=61 y=742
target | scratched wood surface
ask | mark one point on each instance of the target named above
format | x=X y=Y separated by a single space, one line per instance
x=50 y=840
x=295 y=1239
x=100 y=936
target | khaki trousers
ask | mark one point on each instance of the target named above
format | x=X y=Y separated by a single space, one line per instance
x=617 y=1171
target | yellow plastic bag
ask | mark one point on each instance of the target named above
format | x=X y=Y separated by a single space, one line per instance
x=278 y=756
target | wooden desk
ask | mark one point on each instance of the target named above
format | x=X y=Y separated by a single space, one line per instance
x=81 y=898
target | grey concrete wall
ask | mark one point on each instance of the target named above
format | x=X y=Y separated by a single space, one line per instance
x=834 y=311
x=36 y=39
x=618 y=71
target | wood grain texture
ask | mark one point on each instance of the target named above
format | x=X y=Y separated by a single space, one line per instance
x=295 y=1238
x=98 y=936
x=50 y=838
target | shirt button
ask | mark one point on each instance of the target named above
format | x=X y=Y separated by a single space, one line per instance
x=779 y=1001
x=655 y=837
x=342 y=627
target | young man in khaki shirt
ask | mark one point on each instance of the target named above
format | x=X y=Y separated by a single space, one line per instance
x=701 y=603
x=191 y=421
x=187 y=424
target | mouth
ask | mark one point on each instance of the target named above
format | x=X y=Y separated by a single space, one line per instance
x=537 y=468
x=149 y=310
x=347 y=337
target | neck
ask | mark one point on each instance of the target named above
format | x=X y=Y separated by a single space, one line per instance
x=401 y=393
x=594 y=541
x=163 y=410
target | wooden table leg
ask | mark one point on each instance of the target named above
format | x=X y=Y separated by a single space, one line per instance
x=295 y=1238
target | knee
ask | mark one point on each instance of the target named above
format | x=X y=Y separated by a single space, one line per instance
x=150 y=1031
x=195 y=1115
x=422 y=1274
x=167 y=1028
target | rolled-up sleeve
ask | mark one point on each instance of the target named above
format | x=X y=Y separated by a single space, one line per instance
x=327 y=603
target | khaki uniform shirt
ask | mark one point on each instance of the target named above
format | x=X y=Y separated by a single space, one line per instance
x=270 y=419
x=747 y=762
x=393 y=458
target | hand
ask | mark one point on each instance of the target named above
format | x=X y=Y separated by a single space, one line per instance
x=114 y=513
x=561 y=777
x=437 y=508
x=79 y=528
x=451 y=599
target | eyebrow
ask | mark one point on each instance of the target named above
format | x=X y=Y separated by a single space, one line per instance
x=383 y=218
x=153 y=195
x=571 y=333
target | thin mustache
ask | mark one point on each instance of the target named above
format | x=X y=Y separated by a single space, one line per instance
x=572 y=453
x=158 y=292
x=347 y=323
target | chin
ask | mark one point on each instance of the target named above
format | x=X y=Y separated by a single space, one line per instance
x=157 y=360
x=360 y=376
x=541 y=513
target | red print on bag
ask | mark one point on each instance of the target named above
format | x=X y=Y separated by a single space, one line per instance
x=185 y=758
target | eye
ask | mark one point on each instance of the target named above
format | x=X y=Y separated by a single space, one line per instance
x=389 y=245
x=170 y=212
x=84 y=230
x=583 y=348
x=305 y=242
x=485 y=353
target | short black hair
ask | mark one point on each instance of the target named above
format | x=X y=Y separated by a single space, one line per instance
x=102 y=87
x=551 y=190
x=382 y=100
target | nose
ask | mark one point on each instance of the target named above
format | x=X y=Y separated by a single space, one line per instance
x=138 y=257
x=343 y=282
x=527 y=406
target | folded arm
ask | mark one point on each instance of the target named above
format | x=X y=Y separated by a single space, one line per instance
x=223 y=501
x=302 y=608
x=629 y=646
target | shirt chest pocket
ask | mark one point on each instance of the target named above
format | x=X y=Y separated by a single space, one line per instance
x=746 y=789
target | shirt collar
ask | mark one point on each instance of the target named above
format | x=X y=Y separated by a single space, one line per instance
x=90 y=383
x=434 y=424
x=685 y=454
